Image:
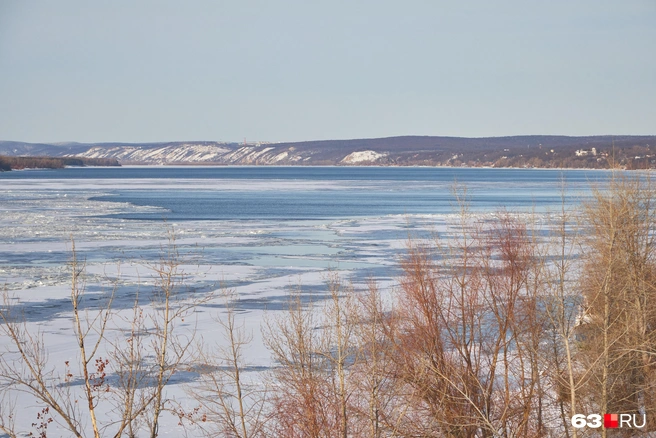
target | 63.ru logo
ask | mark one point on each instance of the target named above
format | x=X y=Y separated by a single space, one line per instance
x=611 y=421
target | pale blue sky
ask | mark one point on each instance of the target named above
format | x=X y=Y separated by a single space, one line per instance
x=304 y=70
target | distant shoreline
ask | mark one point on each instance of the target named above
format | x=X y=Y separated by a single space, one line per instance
x=200 y=166
x=12 y=163
x=531 y=151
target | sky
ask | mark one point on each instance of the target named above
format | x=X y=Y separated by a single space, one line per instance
x=158 y=70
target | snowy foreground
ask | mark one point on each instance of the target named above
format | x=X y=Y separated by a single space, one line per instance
x=260 y=260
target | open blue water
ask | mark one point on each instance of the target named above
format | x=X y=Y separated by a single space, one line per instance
x=297 y=193
x=302 y=173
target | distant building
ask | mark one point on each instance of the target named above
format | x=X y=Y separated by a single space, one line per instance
x=583 y=152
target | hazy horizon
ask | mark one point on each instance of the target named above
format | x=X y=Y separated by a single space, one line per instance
x=290 y=71
x=314 y=140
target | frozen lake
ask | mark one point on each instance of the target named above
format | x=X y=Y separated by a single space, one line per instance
x=257 y=230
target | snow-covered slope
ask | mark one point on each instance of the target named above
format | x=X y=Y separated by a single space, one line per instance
x=517 y=151
x=178 y=153
x=184 y=153
x=363 y=157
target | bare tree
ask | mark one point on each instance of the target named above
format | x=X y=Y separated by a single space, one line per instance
x=300 y=379
x=339 y=347
x=375 y=401
x=173 y=348
x=562 y=307
x=114 y=372
x=7 y=413
x=322 y=362
x=27 y=369
x=131 y=396
x=232 y=406
x=468 y=331
x=619 y=285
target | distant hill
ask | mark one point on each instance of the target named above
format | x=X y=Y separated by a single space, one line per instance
x=516 y=151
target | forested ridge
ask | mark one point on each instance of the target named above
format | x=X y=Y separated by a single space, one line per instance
x=18 y=163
